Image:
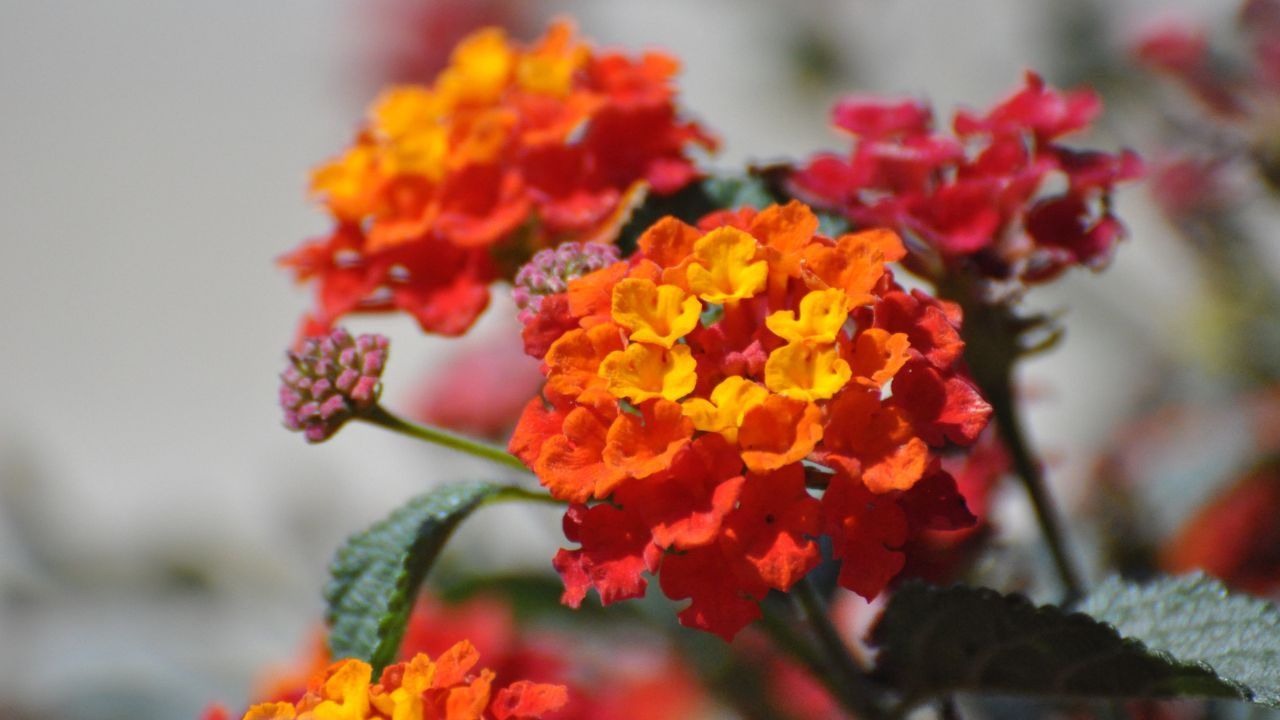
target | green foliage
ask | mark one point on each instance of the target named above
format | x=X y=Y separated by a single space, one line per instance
x=376 y=574
x=939 y=641
x=693 y=202
x=735 y=191
x=1196 y=619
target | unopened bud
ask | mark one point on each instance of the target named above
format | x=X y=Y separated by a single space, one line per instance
x=330 y=380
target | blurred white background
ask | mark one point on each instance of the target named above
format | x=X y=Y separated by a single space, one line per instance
x=161 y=537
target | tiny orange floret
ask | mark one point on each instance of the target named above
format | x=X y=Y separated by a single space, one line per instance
x=570 y=464
x=573 y=361
x=778 y=432
x=878 y=356
x=856 y=263
x=643 y=445
x=669 y=241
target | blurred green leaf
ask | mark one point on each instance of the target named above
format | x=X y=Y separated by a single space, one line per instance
x=935 y=642
x=376 y=574
x=729 y=192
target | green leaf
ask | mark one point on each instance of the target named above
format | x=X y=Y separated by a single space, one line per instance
x=376 y=574
x=1196 y=619
x=935 y=642
x=734 y=191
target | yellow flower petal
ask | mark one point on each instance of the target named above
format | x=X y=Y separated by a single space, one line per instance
x=411 y=138
x=724 y=270
x=643 y=372
x=729 y=403
x=478 y=69
x=803 y=371
x=345 y=692
x=657 y=314
x=549 y=68
x=822 y=314
x=271 y=711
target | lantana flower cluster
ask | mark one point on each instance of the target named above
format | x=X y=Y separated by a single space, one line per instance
x=731 y=392
x=450 y=186
x=980 y=196
x=447 y=688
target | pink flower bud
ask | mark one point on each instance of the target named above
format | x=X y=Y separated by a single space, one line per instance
x=331 y=380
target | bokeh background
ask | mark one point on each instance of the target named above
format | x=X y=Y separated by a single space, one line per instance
x=162 y=538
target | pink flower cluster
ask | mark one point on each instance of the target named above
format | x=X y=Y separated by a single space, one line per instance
x=978 y=196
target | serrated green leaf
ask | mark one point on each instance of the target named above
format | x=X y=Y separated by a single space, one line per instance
x=376 y=574
x=1196 y=619
x=939 y=641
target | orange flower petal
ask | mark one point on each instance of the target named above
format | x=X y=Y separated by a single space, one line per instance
x=778 y=432
x=668 y=241
x=878 y=356
x=573 y=361
x=643 y=445
x=571 y=465
x=524 y=699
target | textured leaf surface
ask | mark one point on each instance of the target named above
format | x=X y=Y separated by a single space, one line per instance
x=1195 y=618
x=376 y=574
x=938 y=641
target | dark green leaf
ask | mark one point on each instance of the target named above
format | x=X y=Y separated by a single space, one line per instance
x=376 y=573
x=1195 y=619
x=935 y=642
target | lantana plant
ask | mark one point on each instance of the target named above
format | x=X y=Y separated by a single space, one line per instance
x=762 y=389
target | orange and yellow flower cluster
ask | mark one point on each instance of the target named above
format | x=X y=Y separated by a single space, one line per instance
x=420 y=689
x=699 y=391
x=511 y=149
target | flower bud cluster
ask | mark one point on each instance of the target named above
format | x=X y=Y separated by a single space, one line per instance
x=330 y=380
x=550 y=271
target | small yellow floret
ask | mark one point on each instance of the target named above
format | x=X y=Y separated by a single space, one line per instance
x=822 y=314
x=479 y=68
x=410 y=136
x=271 y=711
x=346 y=692
x=729 y=403
x=643 y=372
x=549 y=68
x=344 y=183
x=657 y=314
x=724 y=270
x=803 y=371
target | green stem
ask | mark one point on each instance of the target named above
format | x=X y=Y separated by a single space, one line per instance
x=1030 y=472
x=513 y=493
x=840 y=671
x=994 y=341
x=379 y=415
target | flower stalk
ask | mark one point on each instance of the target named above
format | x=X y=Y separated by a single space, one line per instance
x=381 y=417
x=842 y=674
x=994 y=341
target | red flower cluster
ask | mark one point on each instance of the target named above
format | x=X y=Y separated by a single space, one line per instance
x=511 y=149
x=699 y=390
x=1181 y=50
x=1202 y=174
x=977 y=196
